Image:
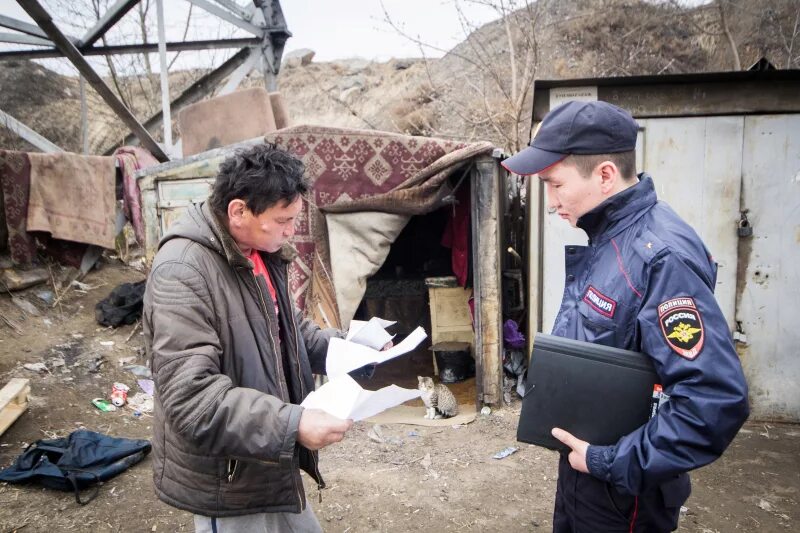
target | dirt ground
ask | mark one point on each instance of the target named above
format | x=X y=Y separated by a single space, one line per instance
x=418 y=478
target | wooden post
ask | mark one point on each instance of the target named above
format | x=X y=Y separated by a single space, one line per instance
x=487 y=279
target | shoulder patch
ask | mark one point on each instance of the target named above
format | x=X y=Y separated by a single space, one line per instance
x=682 y=326
x=599 y=302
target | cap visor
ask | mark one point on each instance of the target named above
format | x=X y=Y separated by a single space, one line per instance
x=531 y=160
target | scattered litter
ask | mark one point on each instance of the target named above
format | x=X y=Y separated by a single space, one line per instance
x=77 y=285
x=457 y=426
x=25 y=305
x=57 y=362
x=94 y=365
x=486 y=410
x=502 y=454
x=35 y=367
x=104 y=405
x=426 y=461
x=375 y=434
x=107 y=343
x=47 y=322
x=119 y=394
x=764 y=504
x=139 y=370
x=46 y=296
x=126 y=360
x=684 y=510
x=77 y=336
x=413 y=433
x=141 y=402
x=147 y=385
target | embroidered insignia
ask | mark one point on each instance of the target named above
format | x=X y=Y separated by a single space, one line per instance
x=682 y=326
x=600 y=302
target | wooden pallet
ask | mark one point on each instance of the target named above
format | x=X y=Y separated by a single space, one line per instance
x=13 y=401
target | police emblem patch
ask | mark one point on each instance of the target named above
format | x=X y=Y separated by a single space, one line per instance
x=600 y=302
x=682 y=326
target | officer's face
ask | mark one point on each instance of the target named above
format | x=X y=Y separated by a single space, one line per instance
x=267 y=231
x=569 y=194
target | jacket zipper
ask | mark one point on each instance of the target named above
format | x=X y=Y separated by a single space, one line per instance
x=300 y=379
x=275 y=350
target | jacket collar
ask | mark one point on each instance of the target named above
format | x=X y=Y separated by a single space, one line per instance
x=620 y=211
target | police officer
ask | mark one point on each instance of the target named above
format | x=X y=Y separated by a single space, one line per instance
x=645 y=282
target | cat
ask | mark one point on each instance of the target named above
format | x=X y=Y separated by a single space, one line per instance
x=439 y=401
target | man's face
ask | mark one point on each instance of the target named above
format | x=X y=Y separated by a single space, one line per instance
x=269 y=230
x=569 y=193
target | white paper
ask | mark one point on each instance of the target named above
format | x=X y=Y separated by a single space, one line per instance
x=372 y=333
x=344 y=356
x=342 y=397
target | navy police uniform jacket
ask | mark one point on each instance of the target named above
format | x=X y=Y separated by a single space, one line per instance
x=645 y=282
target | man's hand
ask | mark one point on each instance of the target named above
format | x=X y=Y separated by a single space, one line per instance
x=387 y=346
x=577 y=457
x=317 y=429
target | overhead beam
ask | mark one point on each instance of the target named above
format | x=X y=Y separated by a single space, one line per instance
x=27 y=133
x=26 y=28
x=241 y=72
x=192 y=94
x=45 y=22
x=228 y=17
x=240 y=11
x=111 y=17
x=21 y=38
x=121 y=49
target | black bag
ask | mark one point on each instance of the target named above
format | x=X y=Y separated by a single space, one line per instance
x=76 y=462
x=123 y=306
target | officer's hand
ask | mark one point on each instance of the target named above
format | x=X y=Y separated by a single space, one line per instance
x=577 y=457
x=317 y=429
x=387 y=346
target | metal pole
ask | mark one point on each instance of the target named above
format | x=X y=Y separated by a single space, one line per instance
x=162 y=54
x=84 y=117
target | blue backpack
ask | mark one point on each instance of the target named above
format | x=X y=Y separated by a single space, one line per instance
x=73 y=463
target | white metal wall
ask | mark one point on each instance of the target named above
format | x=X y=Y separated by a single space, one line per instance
x=768 y=308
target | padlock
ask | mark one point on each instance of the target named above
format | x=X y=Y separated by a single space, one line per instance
x=745 y=229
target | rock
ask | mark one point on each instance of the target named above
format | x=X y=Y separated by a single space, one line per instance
x=298 y=58
x=16 y=279
x=401 y=64
x=35 y=367
x=25 y=305
x=351 y=82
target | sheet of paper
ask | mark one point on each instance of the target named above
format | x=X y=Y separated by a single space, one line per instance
x=342 y=397
x=344 y=356
x=372 y=333
x=356 y=325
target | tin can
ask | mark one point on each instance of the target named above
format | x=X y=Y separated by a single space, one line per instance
x=119 y=394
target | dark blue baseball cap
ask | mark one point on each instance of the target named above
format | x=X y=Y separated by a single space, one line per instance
x=576 y=128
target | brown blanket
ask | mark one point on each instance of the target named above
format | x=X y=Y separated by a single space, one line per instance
x=72 y=197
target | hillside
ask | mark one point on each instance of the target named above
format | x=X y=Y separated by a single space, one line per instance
x=468 y=93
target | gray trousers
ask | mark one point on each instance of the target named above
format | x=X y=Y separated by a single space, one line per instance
x=305 y=522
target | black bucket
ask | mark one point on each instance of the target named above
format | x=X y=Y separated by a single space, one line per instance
x=454 y=361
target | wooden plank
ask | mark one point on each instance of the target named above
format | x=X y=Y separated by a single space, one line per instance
x=13 y=401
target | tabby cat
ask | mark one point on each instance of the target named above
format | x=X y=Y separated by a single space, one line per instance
x=438 y=400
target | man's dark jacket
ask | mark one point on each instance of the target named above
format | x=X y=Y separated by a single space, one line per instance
x=229 y=376
x=646 y=283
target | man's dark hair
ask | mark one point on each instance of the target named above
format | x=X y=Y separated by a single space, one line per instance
x=625 y=161
x=261 y=176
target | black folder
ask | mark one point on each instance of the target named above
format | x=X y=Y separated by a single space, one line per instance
x=595 y=392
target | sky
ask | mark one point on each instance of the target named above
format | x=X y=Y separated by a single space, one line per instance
x=334 y=29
